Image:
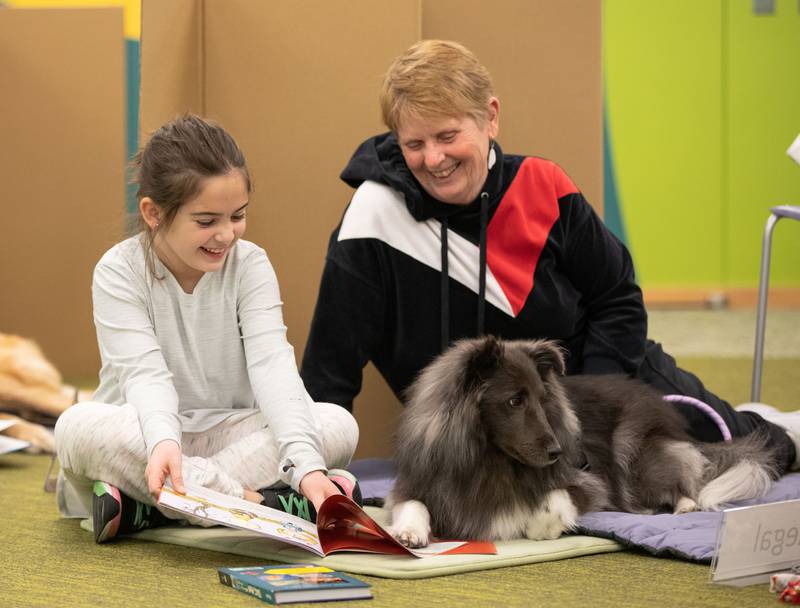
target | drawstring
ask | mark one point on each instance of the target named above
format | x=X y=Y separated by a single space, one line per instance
x=482 y=267
x=445 y=330
x=445 y=275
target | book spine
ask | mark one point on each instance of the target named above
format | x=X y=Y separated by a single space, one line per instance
x=225 y=578
x=240 y=585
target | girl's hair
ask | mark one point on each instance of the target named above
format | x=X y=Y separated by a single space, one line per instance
x=435 y=78
x=173 y=165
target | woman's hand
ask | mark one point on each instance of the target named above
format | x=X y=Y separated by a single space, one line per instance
x=317 y=487
x=165 y=460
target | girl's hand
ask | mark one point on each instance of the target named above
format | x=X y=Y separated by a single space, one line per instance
x=165 y=460
x=317 y=487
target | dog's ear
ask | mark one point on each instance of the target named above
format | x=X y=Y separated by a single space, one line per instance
x=547 y=355
x=486 y=358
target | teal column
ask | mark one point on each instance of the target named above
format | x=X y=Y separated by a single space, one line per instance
x=132 y=79
x=612 y=214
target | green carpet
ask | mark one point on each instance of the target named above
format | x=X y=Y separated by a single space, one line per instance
x=49 y=562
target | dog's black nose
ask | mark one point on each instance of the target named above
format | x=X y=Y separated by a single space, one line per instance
x=553 y=454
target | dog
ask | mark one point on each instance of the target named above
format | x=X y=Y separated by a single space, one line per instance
x=496 y=443
x=31 y=392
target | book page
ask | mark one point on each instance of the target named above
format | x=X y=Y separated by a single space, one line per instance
x=10 y=444
x=234 y=512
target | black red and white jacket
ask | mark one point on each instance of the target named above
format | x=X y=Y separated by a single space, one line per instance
x=553 y=270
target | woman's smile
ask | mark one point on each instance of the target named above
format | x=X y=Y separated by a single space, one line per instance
x=449 y=157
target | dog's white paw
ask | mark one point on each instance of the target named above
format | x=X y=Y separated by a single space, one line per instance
x=685 y=505
x=413 y=539
x=411 y=524
x=556 y=515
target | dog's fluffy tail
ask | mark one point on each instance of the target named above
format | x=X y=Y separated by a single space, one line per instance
x=746 y=479
x=738 y=470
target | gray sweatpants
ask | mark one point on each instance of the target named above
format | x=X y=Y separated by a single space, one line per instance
x=97 y=441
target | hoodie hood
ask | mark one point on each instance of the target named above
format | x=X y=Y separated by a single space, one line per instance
x=379 y=159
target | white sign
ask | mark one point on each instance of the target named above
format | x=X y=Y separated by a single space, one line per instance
x=755 y=542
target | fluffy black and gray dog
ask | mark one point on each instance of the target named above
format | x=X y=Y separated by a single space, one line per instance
x=495 y=443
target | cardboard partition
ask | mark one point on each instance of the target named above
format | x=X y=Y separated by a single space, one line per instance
x=545 y=62
x=171 y=61
x=62 y=180
x=297 y=83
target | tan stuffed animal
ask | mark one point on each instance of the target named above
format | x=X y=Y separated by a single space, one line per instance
x=31 y=392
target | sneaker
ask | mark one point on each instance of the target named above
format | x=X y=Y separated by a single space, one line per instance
x=347 y=484
x=294 y=503
x=115 y=513
x=289 y=501
x=789 y=421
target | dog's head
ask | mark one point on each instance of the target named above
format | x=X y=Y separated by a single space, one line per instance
x=521 y=404
x=485 y=393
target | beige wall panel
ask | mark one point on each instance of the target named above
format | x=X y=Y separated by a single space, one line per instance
x=62 y=158
x=297 y=84
x=171 y=60
x=545 y=60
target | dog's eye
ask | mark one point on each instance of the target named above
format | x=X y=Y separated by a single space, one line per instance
x=515 y=401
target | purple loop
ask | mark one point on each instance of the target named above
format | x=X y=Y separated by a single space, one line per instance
x=726 y=433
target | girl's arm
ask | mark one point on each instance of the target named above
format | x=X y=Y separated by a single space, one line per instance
x=132 y=355
x=272 y=370
x=317 y=487
x=165 y=461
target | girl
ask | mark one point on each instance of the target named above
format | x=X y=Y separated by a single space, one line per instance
x=198 y=382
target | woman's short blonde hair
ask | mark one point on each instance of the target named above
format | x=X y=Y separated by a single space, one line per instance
x=435 y=78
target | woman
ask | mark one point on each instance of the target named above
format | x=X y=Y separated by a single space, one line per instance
x=447 y=237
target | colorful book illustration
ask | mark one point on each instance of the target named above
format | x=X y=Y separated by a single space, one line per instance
x=285 y=584
x=341 y=524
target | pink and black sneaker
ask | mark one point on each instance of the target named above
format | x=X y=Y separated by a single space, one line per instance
x=347 y=484
x=115 y=513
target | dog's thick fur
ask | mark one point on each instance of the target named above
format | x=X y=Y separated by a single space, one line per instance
x=31 y=392
x=495 y=442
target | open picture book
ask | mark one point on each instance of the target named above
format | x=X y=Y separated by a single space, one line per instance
x=341 y=524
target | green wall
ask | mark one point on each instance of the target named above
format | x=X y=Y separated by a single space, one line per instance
x=763 y=109
x=702 y=100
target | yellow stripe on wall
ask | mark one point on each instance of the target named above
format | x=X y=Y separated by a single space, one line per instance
x=132 y=10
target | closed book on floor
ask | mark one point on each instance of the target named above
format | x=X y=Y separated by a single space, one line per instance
x=292 y=583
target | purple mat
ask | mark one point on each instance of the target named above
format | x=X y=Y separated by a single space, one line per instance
x=690 y=536
x=375 y=477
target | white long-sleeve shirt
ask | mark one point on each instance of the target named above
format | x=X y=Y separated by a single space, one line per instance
x=188 y=361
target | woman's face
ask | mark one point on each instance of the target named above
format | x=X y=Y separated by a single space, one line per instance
x=205 y=229
x=449 y=156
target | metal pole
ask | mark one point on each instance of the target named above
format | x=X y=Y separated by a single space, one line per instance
x=761 y=318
